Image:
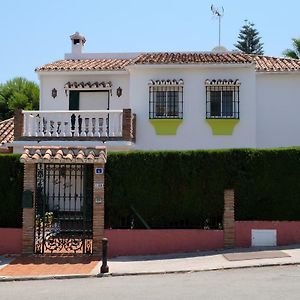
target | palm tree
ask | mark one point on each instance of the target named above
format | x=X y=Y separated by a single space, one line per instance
x=295 y=52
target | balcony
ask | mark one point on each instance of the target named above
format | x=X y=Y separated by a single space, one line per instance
x=104 y=125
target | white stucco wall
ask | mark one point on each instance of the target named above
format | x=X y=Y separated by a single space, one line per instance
x=278 y=110
x=48 y=81
x=194 y=132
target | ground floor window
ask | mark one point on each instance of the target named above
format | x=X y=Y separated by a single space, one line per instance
x=166 y=99
x=222 y=99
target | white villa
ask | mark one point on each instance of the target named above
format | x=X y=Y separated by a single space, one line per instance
x=165 y=101
x=91 y=103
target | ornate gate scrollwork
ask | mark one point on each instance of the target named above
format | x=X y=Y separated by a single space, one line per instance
x=64 y=209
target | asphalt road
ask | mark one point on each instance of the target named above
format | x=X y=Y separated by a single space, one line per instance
x=256 y=283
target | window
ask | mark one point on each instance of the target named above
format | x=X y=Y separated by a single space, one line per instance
x=166 y=99
x=222 y=99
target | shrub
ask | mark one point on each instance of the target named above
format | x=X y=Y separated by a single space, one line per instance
x=11 y=187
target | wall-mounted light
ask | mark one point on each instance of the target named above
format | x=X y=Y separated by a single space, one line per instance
x=119 y=91
x=54 y=93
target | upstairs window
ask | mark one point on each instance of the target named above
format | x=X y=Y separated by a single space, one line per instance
x=166 y=99
x=222 y=99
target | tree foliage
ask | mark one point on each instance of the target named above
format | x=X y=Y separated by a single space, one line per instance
x=295 y=52
x=249 y=40
x=18 y=93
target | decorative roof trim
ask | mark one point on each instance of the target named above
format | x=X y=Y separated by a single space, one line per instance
x=64 y=155
x=88 y=85
x=222 y=82
x=167 y=82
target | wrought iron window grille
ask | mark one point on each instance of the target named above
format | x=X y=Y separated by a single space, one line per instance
x=166 y=101
x=222 y=99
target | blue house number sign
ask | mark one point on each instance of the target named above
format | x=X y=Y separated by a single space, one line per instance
x=99 y=170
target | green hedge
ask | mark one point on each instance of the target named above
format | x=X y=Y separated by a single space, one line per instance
x=181 y=188
x=267 y=184
x=11 y=186
x=168 y=189
x=185 y=189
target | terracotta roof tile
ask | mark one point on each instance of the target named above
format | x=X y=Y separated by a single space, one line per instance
x=86 y=65
x=262 y=63
x=45 y=154
x=193 y=58
x=6 y=131
x=276 y=64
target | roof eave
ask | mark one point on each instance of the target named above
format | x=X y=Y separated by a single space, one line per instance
x=289 y=72
x=79 y=72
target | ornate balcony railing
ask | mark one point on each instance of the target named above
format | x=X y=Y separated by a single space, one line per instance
x=79 y=124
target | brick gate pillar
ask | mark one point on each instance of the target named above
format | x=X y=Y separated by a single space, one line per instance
x=228 y=219
x=98 y=208
x=28 y=213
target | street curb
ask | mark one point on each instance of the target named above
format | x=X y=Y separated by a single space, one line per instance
x=45 y=277
x=203 y=270
x=83 y=276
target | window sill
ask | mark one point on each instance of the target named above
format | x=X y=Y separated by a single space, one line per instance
x=165 y=126
x=222 y=126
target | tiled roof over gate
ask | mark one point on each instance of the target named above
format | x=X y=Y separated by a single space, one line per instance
x=48 y=154
x=261 y=63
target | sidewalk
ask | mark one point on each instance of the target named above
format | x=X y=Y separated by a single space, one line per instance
x=32 y=267
x=205 y=261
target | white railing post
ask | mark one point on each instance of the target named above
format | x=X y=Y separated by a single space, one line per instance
x=104 y=127
x=76 y=124
x=90 y=133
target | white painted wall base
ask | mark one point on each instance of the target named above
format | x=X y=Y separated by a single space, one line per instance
x=263 y=237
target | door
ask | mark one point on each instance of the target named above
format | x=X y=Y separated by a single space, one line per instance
x=93 y=100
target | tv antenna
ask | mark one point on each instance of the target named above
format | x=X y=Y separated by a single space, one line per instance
x=219 y=13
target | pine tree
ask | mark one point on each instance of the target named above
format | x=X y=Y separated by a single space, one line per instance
x=249 y=40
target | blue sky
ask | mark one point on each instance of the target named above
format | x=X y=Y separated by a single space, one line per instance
x=35 y=32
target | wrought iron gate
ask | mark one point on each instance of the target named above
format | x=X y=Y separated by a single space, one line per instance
x=64 y=209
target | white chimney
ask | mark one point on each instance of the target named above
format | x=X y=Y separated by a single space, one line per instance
x=77 y=43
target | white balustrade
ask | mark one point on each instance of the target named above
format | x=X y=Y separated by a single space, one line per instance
x=73 y=123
